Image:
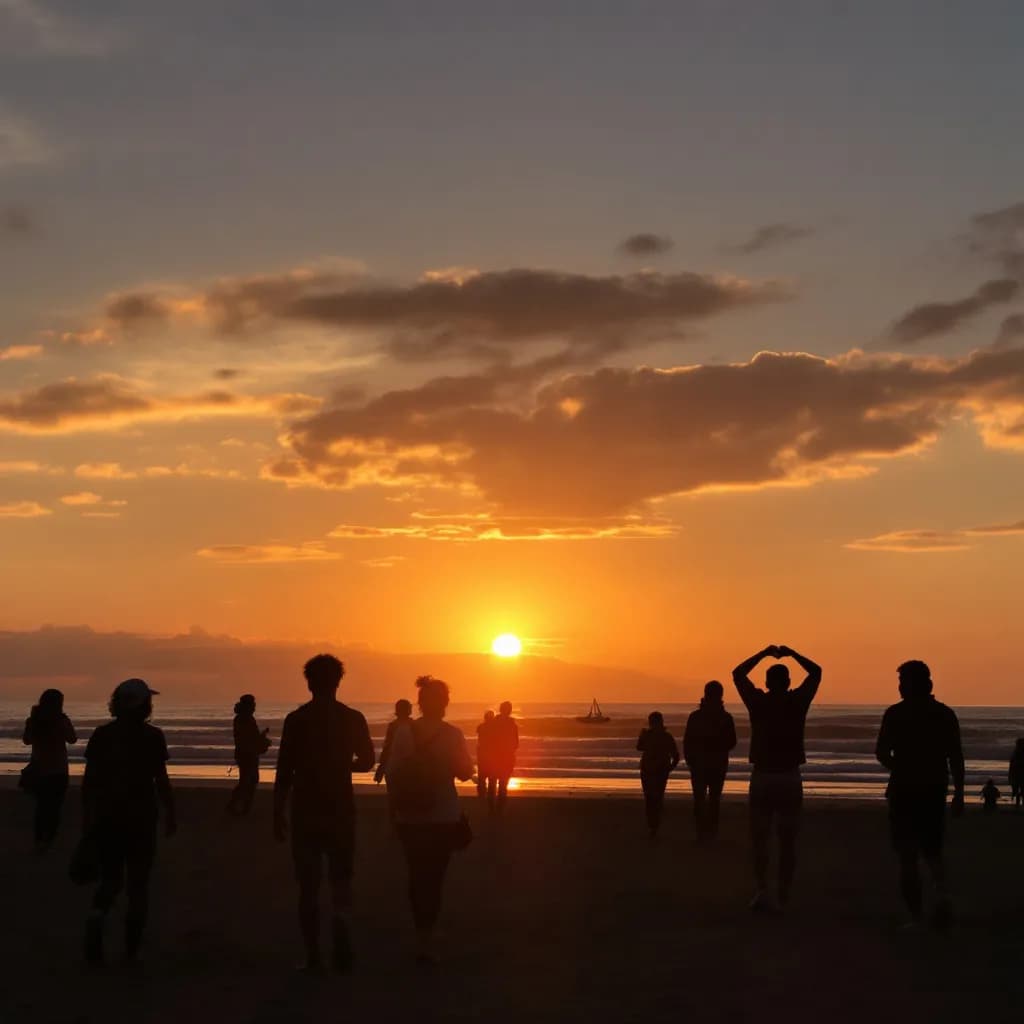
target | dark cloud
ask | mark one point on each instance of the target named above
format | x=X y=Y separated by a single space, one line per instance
x=1010 y=330
x=603 y=443
x=770 y=236
x=915 y=541
x=646 y=244
x=17 y=221
x=133 y=309
x=998 y=236
x=932 y=318
x=226 y=373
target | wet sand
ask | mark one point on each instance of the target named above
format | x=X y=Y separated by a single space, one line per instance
x=564 y=911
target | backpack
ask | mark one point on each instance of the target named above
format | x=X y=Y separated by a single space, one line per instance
x=415 y=780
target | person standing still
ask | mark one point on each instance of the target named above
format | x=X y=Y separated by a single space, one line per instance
x=777 y=718
x=322 y=743
x=504 y=742
x=48 y=731
x=710 y=735
x=659 y=756
x=250 y=745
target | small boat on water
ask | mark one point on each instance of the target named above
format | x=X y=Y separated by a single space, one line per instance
x=595 y=716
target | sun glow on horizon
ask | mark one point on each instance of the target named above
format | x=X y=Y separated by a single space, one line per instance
x=507 y=645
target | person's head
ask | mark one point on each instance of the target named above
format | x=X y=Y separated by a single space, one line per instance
x=915 y=680
x=991 y=782
x=246 y=705
x=656 y=720
x=132 y=700
x=505 y=708
x=776 y=679
x=713 y=692
x=50 y=706
x=489 y=717
x=323 y=674
x=403 y=708
x=433 y=696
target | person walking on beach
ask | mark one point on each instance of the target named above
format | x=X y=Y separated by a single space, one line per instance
x=124 y=788
x=777 y=718
x=425 y=761
x=1016 y=773
x=919 y=743
x=990 y=796
x=402 y=719
x=48 y=731
x=710 y=735
x=659 y=756
x=322 y=743
x=250 y=744
x=484 y=754
x=504 y=742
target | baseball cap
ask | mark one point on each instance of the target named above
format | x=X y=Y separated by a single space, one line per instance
x=133 y=693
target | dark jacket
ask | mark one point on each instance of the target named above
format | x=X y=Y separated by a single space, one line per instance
x=710 y=735
x=659 y=753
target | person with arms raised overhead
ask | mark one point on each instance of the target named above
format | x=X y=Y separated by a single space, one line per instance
x=124 y=785
x=504 y=742
x=250 y=744
x=322 y=743
x=919 y=743
x=425 y=762
x=777 y=718
x=48 y=731
x=710 y=735
x=659 y=756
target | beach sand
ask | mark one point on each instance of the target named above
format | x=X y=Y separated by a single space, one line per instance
x=563 y=912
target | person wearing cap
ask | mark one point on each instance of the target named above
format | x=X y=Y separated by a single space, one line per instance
x=250 y=743
x=124 y=787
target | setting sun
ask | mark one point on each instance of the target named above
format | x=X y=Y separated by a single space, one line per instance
x=508 y=645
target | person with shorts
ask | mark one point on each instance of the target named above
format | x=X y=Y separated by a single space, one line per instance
x=322 y=743
x=777 y=718
x=919 y=743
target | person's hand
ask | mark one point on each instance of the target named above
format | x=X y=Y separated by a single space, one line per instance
x=784 y=652
x=956 y=808
x=170 y=827
x=771 y=651
x=280 y=828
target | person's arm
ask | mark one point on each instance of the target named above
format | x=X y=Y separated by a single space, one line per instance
x=809 y=687
x=688 y=740
x=26 y=736
x=675 y=754
x=89 y=787
x=283 y=777
x=463 y=766
x=741 y=673
x=956 y=764
x=883 y=746
x=364 y=755
x=515 y=734
x=164 y=792
x=70 y=736
x=730 y=735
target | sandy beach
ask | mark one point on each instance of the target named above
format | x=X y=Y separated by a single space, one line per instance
x=564 y=911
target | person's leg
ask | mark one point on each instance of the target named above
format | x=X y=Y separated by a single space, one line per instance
x=111 y=851
x=306 y=855
x=340 y=864
x=503 y=789
x=492 y=792
x=49 y=795
x=932 y=833
x=715 y=783
x=647 y=785
x=428 y=849
x=140 y=849
x=249 y=780
x=761 y=815
x=790 y=805
x=700 y=789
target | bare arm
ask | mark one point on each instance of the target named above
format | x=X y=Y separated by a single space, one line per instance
x=809 y=687
x=741 y=673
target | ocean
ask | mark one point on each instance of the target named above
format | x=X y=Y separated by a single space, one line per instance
x=559 y=754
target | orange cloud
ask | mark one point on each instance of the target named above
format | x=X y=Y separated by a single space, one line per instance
x=268 y=554
x=82 y=498
x=20 y=352
x=23 y=510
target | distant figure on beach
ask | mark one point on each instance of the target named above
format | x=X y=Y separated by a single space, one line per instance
x=504 y=742
x=484 y=754
x=402 y=719
x=659 y=756
x=426 y=760
x=48 y=731
x=322 y=743
x=777 y=718
x=1016 y=773
x=990 y=796
x=919 y=742
x=250 y=744
x=710 y=735
x=124 y=787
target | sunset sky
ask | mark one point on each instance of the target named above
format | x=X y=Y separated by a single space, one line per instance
x=652 y=333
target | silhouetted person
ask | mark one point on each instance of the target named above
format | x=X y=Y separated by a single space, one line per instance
x=48 y=731
x=403 y=718
x=425 y=762
x=504 y=735
x=919 y=742
x=125 y=784
x=322 y=743
x=484 y=754
x=710 y=735
x=250 y=744
x=1016 y=773
x=659 y=755
x=777 y=719
x=990 y=796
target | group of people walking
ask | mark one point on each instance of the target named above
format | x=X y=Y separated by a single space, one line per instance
x=323 y=742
